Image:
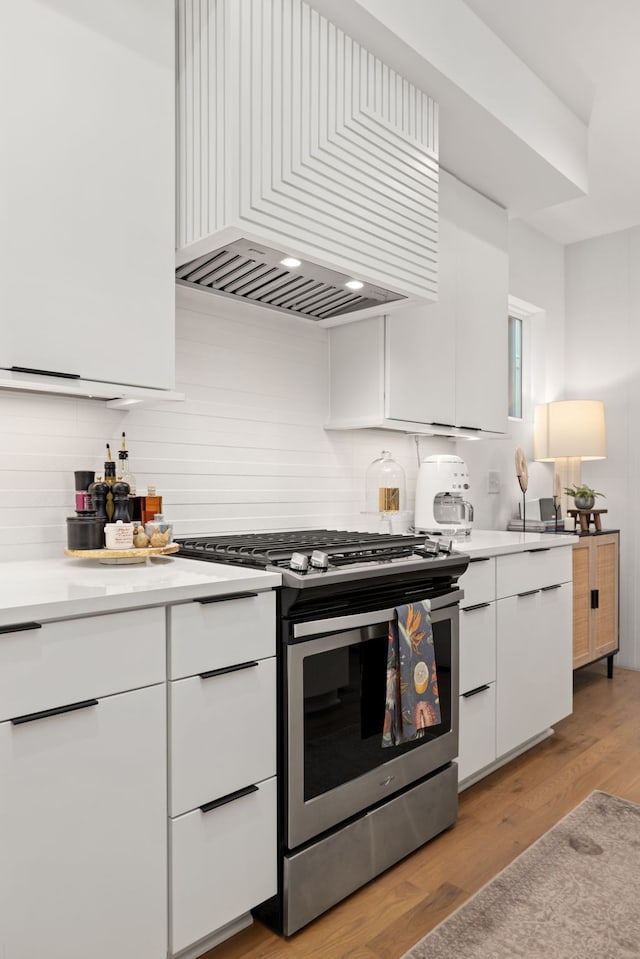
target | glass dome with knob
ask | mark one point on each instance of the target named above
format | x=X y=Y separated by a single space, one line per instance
x=386 y=494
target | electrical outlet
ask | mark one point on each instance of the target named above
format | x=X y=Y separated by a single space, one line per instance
x=493 y=484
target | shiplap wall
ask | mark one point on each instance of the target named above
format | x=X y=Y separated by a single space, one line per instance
x=246 y=450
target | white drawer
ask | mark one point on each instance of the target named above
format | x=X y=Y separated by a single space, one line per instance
x=212 y=633
x=479 y=581
x=477 y=744
x=477 y=646
x=534 y=569
x=59 y=663
x=222 y=733
x=223 y=862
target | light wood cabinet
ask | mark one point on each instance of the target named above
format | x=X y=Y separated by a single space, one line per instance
x=442 y=365
x=595 y=598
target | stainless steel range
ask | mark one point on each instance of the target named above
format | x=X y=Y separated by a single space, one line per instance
x=349 y=808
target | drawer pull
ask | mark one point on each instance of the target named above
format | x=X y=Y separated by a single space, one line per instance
x=478 y=689
x=58 y=711
x=224 y=598
x=545 y=589
x=595 y=599
x=529 y=592
x=227 y=669
x=230 y=797
x=28 y=369
x=470 y=609
x=18 y=627
x=539 y=549
x=479 y=559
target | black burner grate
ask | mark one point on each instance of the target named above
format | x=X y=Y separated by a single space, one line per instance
x=273 y=549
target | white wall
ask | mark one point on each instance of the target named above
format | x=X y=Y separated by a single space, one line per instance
x=603 y=362
x=246 y=451
x=536 y=275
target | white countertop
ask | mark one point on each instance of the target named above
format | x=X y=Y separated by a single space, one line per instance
x=491 y=542
x=60 y=588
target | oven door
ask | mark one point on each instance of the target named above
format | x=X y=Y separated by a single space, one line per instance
x=336 y=686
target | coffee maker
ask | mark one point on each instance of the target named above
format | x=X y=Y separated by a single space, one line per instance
x=441 y=491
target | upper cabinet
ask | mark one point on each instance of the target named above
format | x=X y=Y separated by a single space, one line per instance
x=87 y=173
x=444 y=365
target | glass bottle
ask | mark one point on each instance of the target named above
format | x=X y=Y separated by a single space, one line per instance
x=151 y=504
x=124 y=471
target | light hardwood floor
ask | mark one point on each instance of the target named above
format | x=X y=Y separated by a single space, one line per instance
x=598 y=747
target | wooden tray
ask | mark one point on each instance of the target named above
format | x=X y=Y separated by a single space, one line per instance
x=123 y=556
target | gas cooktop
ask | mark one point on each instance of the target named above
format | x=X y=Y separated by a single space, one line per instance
x=309 y=557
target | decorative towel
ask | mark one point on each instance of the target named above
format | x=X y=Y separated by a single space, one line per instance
x=412 y=679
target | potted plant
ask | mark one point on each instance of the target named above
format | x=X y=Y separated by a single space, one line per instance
x=583 y=496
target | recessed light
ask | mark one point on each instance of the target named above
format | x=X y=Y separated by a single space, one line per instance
x=354 y=285
x=290 y=261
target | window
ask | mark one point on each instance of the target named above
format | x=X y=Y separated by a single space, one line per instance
x=515 y=367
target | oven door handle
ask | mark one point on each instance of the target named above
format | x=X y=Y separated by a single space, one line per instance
x=357 y=620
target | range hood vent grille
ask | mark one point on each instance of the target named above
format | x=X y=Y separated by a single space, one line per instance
x=241 y=269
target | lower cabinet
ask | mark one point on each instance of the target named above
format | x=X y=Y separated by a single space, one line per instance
x=515 y=654
x=595 y=597
x=223 y=862
x=477 y=736
x=222 y=765
x=82 y=830
x=534 y=664
x=477 y=730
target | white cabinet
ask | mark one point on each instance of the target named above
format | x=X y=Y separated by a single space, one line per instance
x=443 y=365
x=222 y=739
x=222 y=862
x=477 y=734
x=83 y=816
x=87 y=239
x=534 y=644
x=515 y=654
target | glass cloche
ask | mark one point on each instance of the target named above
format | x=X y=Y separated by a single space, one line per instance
x=386 y=488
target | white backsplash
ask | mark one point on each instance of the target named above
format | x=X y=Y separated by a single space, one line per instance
x=247 y=450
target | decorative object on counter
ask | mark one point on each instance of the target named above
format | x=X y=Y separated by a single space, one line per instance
x=158 y=531
x=150 y=505
x=118 y=535
x=83 y=479
x=584 y=517
x=385 y=491
x=522 y=473
x=85 y=532
x=583 y=496
x=123 y=557
x=567 y=432
x=98 y=491
x=120 y=494
x=124 y=472
x=140 y=538
x=441 y=496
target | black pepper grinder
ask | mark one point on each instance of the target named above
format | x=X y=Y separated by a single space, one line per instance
x=98 y=490
x=120 y=493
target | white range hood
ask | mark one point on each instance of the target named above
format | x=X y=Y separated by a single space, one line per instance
x=296 y=142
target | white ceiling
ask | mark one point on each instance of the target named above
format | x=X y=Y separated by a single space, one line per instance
x=586 y=51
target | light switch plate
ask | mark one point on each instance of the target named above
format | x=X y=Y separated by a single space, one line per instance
x=493 y=483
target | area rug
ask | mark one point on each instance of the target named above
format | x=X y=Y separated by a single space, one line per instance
x=574 y=894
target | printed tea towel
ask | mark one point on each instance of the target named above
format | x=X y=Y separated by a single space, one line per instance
x=412 y=680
